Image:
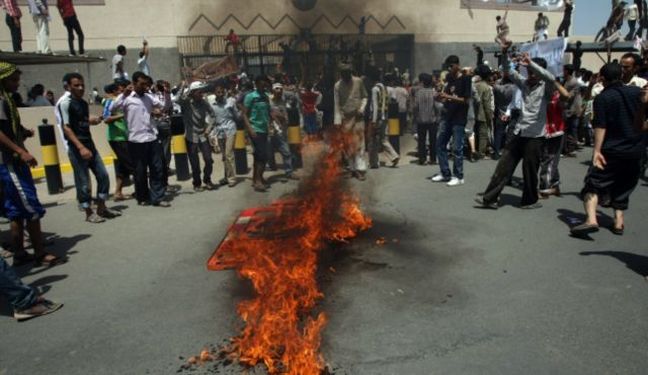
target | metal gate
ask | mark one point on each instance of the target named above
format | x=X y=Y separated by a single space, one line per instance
x=304 y=55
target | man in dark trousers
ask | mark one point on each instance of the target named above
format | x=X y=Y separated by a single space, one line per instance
x=82 y=151
x=455 y=97
x=143 y=144
x=619 y=143
x=537 y=90
x=563 y=29
x=13 y=22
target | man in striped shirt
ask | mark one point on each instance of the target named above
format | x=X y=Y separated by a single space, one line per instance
x=13 y=22
x=427 y=113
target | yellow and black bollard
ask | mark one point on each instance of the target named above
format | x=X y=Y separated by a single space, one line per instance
x=179 y=149
x=393 y=127
x=50 y=158
x=295 y=139
x=240 y=153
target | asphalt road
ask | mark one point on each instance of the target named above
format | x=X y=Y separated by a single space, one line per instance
x=454 y=290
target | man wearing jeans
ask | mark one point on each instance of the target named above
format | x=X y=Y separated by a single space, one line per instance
x=195 y=110
x=24 y=300
x=143 y=144
x=278 y=131
x=82 y=152
x=13 y=22
x=455 y=96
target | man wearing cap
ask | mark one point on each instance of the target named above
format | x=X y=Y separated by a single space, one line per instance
x=279 y=130
x=20 y=200
x=195 y=110
x=350 y=97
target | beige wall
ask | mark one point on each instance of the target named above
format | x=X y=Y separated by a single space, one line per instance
x=32 y=117
x=128 y=21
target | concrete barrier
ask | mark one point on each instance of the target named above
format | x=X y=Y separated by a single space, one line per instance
x=32 y=117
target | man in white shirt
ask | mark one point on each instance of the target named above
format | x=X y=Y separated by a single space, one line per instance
x=630 y=63
x=118 y=69
x=40 y=15
x=59 y=117
x=142 y=62
x=145 y=149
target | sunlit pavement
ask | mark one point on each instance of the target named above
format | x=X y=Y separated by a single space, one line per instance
x=435 y=287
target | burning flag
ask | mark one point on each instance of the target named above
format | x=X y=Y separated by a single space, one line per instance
x=213 y=70
x=277 y=249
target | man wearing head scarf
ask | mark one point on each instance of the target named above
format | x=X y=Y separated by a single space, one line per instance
x=20 y=200
x=350 y=97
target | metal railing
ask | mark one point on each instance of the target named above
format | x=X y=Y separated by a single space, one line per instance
x=263 y=53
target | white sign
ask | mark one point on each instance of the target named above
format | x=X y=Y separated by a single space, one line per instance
x=552 y=50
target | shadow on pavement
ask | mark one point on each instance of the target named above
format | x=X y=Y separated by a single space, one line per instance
x=635 y=262
x=572 y=218
x=61 y=246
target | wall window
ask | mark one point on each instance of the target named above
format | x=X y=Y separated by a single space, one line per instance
x=530 y=5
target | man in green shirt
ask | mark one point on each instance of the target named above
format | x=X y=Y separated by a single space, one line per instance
x=256 y=116
x=118 y=138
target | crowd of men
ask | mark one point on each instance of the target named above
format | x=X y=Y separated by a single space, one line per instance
x=519 y=112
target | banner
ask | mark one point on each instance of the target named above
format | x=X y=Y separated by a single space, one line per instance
x=552 y=50
x=530 y=5
x=214 y=70
x=544 y=4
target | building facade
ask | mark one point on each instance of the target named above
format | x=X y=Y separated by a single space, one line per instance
x=438 y=28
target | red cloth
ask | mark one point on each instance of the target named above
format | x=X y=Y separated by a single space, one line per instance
x=555 y=122
x=309 y=101
x=66 y=8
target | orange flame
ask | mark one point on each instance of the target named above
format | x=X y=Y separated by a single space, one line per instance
x=280 y=332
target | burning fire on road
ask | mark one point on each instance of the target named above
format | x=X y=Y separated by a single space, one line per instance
x=277 y=249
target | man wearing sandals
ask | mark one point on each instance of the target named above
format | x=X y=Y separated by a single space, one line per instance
x=82 y=152
x=619 y=114
x=20 y=199
x=24 y=300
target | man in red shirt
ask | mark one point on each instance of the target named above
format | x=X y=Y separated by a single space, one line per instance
x=232 y=40
x=71 y=22
x=13 y=22
x=310 y=99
